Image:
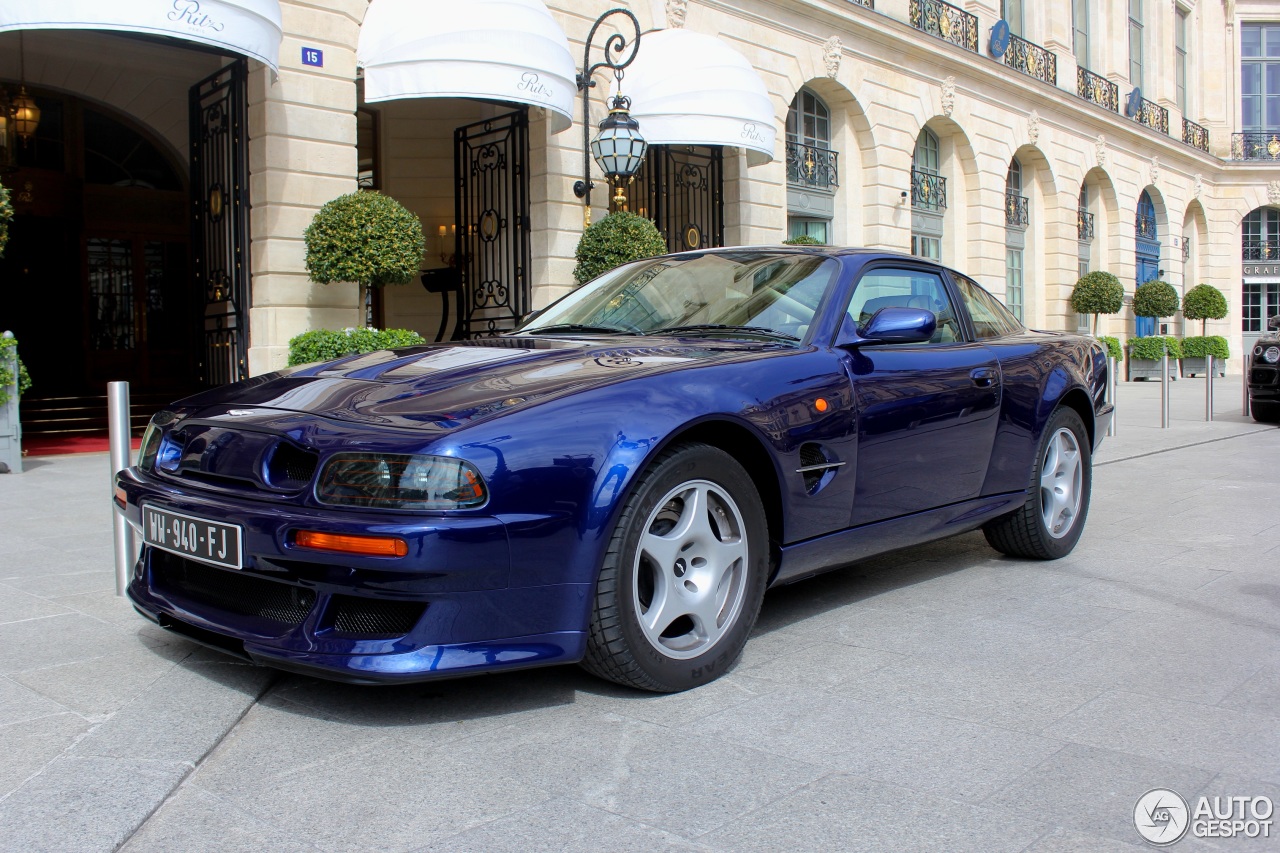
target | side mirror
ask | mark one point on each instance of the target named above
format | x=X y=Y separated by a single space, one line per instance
x=1273 y=323
x=893 y=326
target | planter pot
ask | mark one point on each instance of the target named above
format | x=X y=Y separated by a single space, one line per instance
x=1195 y=366
x=1147 y=368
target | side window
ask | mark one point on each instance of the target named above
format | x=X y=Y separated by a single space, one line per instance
x=904 y=288
x=990 y=318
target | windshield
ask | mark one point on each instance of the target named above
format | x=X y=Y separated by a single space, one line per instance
x=730 y=293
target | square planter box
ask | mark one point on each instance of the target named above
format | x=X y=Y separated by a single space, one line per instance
x=1195 y=366
x=1147 y=368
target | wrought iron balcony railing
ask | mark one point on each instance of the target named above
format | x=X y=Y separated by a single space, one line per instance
x=1097 y=89
x=1017 y=210
x=870 y=4
x=1152 y=115
x=1032 y=60
x=809 y=166
x=1256 y=145
x=1146 y=226
x=1261 y=250
x=1195 y=135
x=944 y=21
x=1084 y=225
x=928 y=192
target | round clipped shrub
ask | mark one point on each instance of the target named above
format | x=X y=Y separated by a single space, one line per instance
x=1204 y=302
x=620 y=237
x=803 y=240
x=365 y=237
x=1155 y=298
x=6 y=216
x=1097 y=292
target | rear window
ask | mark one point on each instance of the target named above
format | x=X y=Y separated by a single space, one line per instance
x=990 y=318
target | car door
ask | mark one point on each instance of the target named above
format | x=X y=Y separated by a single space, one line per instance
x=926 y=413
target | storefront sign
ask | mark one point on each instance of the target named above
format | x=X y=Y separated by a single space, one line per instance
x=1261 y=269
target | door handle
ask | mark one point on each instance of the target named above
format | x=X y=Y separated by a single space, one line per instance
x=984 y=377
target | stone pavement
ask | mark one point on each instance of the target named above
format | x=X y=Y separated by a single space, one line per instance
x=940 y=698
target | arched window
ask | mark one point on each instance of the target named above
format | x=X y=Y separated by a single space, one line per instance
x=1016 y=219
x=1146 y=218
x=928 y=195
x=1147 y=255
x=809 y=120
x=812 y=174
x=1261 y=238
x=1260 y=298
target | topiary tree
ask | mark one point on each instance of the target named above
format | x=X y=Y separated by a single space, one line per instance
x=803 y=240
x=618 y=238
x=1156 y=299
x=1095 y=293
x=365 y=237
x=1204 y=302
x=6 y=216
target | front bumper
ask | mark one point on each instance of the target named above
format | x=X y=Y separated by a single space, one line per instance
x=1264 y=378
x=446 y=609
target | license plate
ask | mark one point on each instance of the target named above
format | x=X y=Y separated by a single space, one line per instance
x=191 y=536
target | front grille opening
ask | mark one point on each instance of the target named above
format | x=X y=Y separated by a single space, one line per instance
x=811 y=454
x=373 y=618
x=291 y=468
x=231 y=591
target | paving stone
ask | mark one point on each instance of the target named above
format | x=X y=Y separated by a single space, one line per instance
x=19 y=703
x=18 y=606
x=195 y=821
x=29 y=745
x=65 y=638
x=849 y=813
x=99 y=687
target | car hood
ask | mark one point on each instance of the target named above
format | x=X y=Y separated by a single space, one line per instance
x=443 y=387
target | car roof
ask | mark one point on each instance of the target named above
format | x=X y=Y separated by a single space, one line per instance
x=861 y=252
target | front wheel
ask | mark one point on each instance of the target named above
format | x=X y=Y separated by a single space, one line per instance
x=1265 y=413
x=1050 y=523
x=684 y=574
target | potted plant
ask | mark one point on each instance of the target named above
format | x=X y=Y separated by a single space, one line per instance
x=617 y=239
x=1095 y=293
x=1203 y=302
x=1146 y=353
x=1196 y=349
x=367 y=238
x=1114 y=350
x=1155 y=299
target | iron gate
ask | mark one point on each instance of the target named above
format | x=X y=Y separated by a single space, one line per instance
x=490 y=166
x=681 y=188
x=220 y=220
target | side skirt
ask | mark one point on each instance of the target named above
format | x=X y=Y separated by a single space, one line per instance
x=835 y=550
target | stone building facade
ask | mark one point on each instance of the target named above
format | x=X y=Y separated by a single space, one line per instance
x=1005 y=138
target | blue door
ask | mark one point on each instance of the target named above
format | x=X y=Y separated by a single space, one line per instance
x=1147 y=254
x=1148 y=269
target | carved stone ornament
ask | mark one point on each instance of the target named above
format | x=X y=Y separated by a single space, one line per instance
x=832 y=50
x=1155 y=169
x=676 y=11
x=1273 y=192
x=1100 y=149
x=948 y=95
x=1199 y=185
x=1033 y=127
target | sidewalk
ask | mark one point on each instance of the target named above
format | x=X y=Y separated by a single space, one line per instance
x=940 y=696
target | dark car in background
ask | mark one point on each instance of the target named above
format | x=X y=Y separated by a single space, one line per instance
x=619 y=481
x=1263 y=372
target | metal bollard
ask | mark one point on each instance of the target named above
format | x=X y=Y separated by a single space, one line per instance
x=1113 y=384
x=119 y=438
x=1244 y=382
x=1164 y=390
x=1208 y=388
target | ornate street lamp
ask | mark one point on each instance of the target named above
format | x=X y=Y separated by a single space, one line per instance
x=619 y=148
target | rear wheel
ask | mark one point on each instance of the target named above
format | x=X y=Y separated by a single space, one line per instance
x=1265 y=413
x=683 y=576
x=1050 y=523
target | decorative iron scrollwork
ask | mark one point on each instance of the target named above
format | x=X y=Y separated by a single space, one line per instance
x=1146 y=226
x=1032 y=60
x=1097 y=89
x=1017 y=210
x=1255 y=145
x=944 y=21
x=810 y=166
x=1261 y=250
x=928 y=191
x=1195 y=135
x=1084 y=225
x=1154 y=116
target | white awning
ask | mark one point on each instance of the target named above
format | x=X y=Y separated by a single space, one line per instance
x=687 y=88
x=506 y=50
x=248 y=27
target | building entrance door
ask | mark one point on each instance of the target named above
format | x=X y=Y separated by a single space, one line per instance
x=1148 y=270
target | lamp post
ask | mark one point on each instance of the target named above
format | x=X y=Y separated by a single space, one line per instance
x=618 y=148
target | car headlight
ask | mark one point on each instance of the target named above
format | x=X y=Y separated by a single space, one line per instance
x=400 y=481
x=152 y=439
x=1272 y=355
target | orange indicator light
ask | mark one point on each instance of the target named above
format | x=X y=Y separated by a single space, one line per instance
x=820 y=404
x=369 y=546
x=121 y=497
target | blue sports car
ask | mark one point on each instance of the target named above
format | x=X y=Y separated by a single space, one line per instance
x=617 y=482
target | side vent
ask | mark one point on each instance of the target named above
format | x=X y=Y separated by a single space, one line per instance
x=812 y=466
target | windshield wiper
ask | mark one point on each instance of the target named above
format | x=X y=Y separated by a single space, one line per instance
x=581 y=327
x=724 y=327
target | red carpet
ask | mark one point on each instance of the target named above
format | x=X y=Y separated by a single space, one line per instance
x=54 y=445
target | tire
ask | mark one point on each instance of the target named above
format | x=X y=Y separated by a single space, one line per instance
x=683 y=575
x=1265 y=413
x=1050 y=523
